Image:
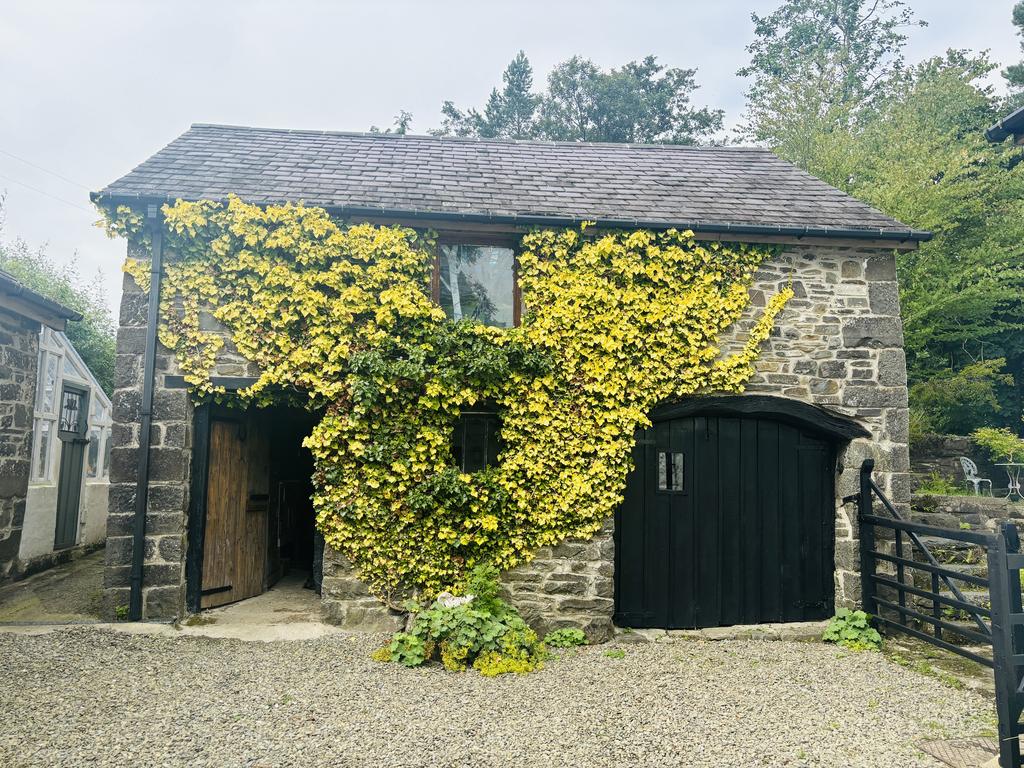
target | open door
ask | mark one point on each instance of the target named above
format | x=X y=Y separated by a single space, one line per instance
x=237 y=506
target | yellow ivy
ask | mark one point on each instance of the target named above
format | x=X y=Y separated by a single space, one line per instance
x=617 y=323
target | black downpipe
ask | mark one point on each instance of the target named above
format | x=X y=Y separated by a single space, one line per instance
x=146 y=415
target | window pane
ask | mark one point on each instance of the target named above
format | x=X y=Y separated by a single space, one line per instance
x=71 y=411
x=670 y=471
x=106 y=452
x=477 y=441
x=49 y=383
x=41 y=458
x=92 y=455
x=476 y=283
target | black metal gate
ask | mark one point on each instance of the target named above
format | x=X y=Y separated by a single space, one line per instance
x=907 y=589
x=726 y=520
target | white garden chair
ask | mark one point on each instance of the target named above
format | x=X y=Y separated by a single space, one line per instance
x=971 y=476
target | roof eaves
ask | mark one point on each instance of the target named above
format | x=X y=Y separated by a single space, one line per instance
x=1011 y=125
x=525 y=219
x=48 y=311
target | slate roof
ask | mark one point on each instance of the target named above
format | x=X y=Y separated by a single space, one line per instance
x=529 y=182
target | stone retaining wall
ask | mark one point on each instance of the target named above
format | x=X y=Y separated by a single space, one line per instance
x=19 y=353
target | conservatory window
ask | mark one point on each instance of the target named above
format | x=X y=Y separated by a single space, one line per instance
x=106 y=452
x=50 y=366
x=41 y=457
x=92 y=455
x=477 y=282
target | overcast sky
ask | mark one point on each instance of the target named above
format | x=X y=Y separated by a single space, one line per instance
x=90 y=89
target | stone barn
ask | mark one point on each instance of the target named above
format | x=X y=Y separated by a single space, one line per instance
x=735 y=512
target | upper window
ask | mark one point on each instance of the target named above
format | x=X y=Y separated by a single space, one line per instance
x=477 y=282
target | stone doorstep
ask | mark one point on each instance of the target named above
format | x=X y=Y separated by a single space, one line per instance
x=964 y=753
x=796 y=631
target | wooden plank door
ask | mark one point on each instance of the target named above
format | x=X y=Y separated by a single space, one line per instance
x=725 y=520
x=235 y=539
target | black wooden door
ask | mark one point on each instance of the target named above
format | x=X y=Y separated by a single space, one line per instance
x=726 y=520
x=71 y=429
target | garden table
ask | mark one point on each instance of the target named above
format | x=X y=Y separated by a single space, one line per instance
x=1013 y=469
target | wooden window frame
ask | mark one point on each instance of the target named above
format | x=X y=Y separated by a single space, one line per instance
x=482 y=240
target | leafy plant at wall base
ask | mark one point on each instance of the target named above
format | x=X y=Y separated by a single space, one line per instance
x=940 y=485
x=340 y=319
x=565 y=638
x=853 y=630
x=479 y=631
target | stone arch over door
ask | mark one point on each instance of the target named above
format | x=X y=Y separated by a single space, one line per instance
x=729 y=515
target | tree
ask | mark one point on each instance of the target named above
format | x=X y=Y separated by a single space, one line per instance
x=1014 y=73
x=93 y=335
x=922 y=157
x=403 y=121
x=818 y=66
x=510 y=113
x=641 y=102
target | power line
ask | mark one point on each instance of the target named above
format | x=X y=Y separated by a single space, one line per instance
x=44 y=170
x=47 y=194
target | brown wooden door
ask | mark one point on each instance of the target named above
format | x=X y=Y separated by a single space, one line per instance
x=237 y=496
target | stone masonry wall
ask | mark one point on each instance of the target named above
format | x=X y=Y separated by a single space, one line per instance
x=19 y=352
x=838 y=344
x=170 y=459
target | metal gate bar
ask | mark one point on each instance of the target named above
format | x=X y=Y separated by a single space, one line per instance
x=1000 y=626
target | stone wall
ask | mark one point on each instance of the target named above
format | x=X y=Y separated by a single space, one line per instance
x=941 y=454
x=19 y=353
x=170 y=459
x=838 y=344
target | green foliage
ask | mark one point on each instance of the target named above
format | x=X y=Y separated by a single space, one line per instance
x=403 y=121
x=484 y=633
x=567 y=637
x=641 y=102
x=1014 y=73
x=817 y=67
x=93 y=335
x=615 y=653
x=1001 y=443
x=342 y=318
x=920 y=155
x=955 y=402
x=509 y=113
x=853 y=630
x=939 y=485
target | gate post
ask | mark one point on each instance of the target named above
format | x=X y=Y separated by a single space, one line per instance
x=867 y=540
x=1005 y=600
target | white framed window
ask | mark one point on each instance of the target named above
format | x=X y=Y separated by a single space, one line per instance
x=59 y=363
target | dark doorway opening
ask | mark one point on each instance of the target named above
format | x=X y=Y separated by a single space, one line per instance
x=728 y=518
x=251 y=521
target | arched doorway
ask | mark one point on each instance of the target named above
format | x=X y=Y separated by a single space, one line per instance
x=729 y=515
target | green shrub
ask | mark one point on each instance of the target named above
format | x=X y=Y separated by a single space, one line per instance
x=852 y=629
x=1001 y=444
x=565 y=638
x=939 y=485
x=479 y=630
x=615 y=653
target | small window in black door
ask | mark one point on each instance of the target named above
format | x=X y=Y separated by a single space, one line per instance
x=477 y=439
x=670 y=471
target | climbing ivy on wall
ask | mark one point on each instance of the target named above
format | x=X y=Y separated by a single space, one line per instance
x=615 y=324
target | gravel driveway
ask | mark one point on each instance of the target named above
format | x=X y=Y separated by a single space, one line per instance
x=90 y=697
